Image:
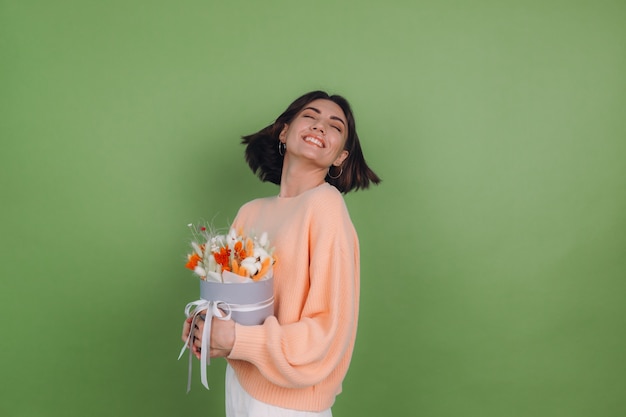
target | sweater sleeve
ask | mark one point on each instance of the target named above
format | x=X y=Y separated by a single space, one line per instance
x=305 y=352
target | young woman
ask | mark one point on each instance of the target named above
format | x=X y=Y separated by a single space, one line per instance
x=294 y=363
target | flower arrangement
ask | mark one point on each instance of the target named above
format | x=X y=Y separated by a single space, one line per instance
x=216 y=257
x=222 y=261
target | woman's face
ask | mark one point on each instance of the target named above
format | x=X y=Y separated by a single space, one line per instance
x=318 y=133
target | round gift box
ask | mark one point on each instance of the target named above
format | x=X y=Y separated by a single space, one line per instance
x=244 y=298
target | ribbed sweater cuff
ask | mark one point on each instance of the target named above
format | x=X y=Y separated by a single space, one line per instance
x=249 y=343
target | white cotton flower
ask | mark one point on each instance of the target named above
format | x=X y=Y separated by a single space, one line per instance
x=200 y=271
x=260 y=253
x=252 y=265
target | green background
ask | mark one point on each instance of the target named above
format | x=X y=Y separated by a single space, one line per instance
x=493 y=254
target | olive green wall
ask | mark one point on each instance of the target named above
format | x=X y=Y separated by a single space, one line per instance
x=493 y=254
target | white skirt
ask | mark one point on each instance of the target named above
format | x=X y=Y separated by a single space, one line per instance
x=240 y=404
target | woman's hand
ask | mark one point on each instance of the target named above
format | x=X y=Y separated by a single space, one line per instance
x=222 y=336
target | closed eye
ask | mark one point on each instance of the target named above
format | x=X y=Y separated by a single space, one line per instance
x=312 y=113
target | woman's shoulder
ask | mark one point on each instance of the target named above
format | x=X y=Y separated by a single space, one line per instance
x=328 y=213
x=256 y=203
x=327 y=202
x=329 y=195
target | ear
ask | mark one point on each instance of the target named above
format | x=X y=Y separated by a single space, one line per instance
x=341 y=158
x=283 y=133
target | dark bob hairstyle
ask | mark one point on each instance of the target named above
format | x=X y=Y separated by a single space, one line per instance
x=265 y=161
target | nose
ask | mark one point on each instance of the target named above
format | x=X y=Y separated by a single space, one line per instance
x=318 y=127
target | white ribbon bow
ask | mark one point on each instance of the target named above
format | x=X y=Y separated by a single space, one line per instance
x=214 y=309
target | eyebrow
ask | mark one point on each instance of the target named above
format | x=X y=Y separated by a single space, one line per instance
x=319 y=112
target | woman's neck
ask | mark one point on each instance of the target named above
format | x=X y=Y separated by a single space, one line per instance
x=298 y=178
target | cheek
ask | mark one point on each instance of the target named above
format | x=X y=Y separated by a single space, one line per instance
x=341 y=143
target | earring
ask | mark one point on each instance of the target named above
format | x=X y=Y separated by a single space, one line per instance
x=338 y=175
x=282 y=147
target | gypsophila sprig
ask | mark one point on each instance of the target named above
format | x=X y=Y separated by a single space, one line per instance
x=214 y=253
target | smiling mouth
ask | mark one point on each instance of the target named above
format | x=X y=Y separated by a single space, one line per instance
x=315 y=141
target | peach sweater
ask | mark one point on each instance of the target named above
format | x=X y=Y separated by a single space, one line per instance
x=299 y=358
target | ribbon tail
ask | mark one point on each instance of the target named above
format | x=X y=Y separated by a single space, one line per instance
x=180 y=355
x=189 y=371
x=190 y=366
x=206 y=345
x=187 y=345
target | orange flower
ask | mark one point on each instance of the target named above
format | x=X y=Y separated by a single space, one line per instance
x=222 y=257
x=193 y=260
x=240 y=253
